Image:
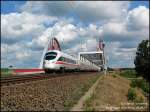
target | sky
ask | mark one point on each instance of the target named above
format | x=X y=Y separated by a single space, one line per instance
x=26 y=27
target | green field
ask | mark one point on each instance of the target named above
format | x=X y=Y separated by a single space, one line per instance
x=5 y=72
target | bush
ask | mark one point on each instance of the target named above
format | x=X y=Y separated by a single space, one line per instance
x=133 y=83
x=131 y=94
x=141 y=83
x=139 y=100
x=144 y=86
x=114 y=75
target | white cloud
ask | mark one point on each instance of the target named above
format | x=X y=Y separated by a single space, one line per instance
x=19 y=56
x=108 y=10
x=22 y=55
x=119 y=57
x=121 y=29
x=138 y=18
x=101 y=10
x=63 y=32
x=68 y=35
x=16 y=26
x=115 y=28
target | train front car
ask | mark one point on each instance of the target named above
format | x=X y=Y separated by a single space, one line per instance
x=50 y=59
x=55 y=60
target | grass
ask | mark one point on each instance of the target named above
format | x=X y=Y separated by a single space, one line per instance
x=131 y=94
x=141 y=83
x=88 y=103
x=114 y=75
x=78 y=93
x=68 y=105
x=113 y=90
x=139 y=100
x=128 y=74
x=5 y=72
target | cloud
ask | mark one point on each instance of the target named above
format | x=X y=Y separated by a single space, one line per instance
x=138 y=18
x=119 y=55
x=135 y=27
x=25 y=34
x=18 y=26
x=101 y=10
x=83 y=10
x=68 y=34
x=19 y=56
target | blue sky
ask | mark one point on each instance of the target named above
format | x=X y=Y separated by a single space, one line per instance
x=137 y=3
x=10 y=6
x=13 y=6
x=26 y=26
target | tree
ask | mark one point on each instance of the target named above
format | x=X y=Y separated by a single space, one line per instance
x=10 y=66
x=142 y=59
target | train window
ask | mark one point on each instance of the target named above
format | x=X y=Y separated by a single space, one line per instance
x=69 y=60
x=61 y=59
x=51 y=53
x=50 y=57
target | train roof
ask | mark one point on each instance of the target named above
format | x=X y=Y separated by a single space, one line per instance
x=64 y=54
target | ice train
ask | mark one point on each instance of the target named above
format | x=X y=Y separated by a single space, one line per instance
x=55 y=60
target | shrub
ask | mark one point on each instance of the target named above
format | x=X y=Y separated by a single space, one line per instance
x=139 y=100
x=131 y=94
x=144 y=86
x=133 y=83
x=114 y=75
x=141 y=83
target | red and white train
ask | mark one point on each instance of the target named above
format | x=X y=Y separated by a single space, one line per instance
x=57 y=60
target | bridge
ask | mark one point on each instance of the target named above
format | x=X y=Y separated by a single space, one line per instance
x=96 y=57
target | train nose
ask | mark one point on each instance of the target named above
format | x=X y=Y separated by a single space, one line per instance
x=49 y=64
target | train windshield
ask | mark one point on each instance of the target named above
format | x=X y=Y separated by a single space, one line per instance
x=50 y=56
x=61 y=59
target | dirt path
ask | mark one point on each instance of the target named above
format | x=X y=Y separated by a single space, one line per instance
x=79 y=105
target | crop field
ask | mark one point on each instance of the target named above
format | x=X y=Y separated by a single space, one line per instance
x=59 y=93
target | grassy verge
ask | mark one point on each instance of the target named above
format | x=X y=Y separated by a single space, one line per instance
x=131 y=94
x=115 y=92
x=88 y=103
x=136 y=81
x=78 y=93
x=140 y=83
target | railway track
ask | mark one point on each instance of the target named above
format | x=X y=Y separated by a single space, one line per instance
x=27 y=78
x=32 y=77
x=21 y=78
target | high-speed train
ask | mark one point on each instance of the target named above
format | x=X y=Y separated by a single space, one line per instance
x=55 y=60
